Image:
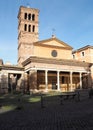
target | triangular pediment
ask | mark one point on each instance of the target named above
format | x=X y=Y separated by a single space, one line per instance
x=53 y=42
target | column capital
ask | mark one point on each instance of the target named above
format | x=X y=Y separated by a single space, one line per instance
x=88 y=72
x=46 y=70
x=71 y=72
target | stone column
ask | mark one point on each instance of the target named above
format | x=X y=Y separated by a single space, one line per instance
x=33 y=79
x=91 y=75
x=25 y=82
x=46 y=79
x=58 y=81
x=80 y=80
x=89 y=80
x=21 y=83
x=0 y=82
x=18 y=87
x=71 y=82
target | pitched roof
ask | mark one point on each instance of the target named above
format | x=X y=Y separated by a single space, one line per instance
x=83 y=48
x=11 y=67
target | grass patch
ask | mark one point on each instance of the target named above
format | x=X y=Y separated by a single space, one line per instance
x=11 y=107
x=34 y=99
x=7 y=108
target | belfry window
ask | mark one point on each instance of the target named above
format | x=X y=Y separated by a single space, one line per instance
x=33 y=28
x=25 y=16
x=25 y=27
x=29 y=28
x=29 y=16
x=33 y=17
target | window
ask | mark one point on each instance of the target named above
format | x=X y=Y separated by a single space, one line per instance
x=25 y=27
x=29 y=16
x=74 y=56
x=54 y=53
x=83 y=53
x=25 y=16
x=33 y=17
x=33 y=28
x=29 y=28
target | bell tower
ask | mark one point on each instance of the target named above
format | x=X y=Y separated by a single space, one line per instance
x=27 y=32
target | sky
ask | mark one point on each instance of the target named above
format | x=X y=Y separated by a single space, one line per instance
x=72 y=21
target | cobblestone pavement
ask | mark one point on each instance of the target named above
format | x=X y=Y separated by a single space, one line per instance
x=71 y=115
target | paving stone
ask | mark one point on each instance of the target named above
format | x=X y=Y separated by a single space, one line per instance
x=69 y=116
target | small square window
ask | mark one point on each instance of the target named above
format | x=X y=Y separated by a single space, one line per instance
x=73 y=56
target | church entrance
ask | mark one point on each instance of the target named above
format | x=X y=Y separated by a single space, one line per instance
x=54 y=85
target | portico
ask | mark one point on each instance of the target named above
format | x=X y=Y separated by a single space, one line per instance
x=11 y=78
x=59 y=80
x=58 y=75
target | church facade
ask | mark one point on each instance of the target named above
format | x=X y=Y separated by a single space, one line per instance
x=43 y=65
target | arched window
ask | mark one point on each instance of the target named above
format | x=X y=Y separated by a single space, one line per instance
x=33 y=17
x=29 y=28
x=25 y=15
x=25 y=27
x=29 y=16
x=33 y=28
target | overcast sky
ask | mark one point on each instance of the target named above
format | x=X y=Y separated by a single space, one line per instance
x=71 y=19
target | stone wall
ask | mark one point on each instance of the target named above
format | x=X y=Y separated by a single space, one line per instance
x=3 y=82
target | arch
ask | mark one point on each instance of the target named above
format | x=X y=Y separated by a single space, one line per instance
x=33 y=28
x=33 y=17
x=25 y=27
x=29 y=16
x=29 y=28
x=25 y=15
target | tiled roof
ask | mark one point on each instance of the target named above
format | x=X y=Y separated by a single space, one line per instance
x=56 y=61
x=11 y=67
x=83 y=48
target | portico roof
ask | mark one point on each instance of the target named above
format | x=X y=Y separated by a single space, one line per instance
x=83 y=48
x=56 y=61
x=11 y=67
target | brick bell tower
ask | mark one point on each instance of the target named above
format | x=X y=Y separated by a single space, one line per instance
x=27 y=32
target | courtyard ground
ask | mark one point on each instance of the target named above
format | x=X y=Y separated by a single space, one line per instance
x=26 y=112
